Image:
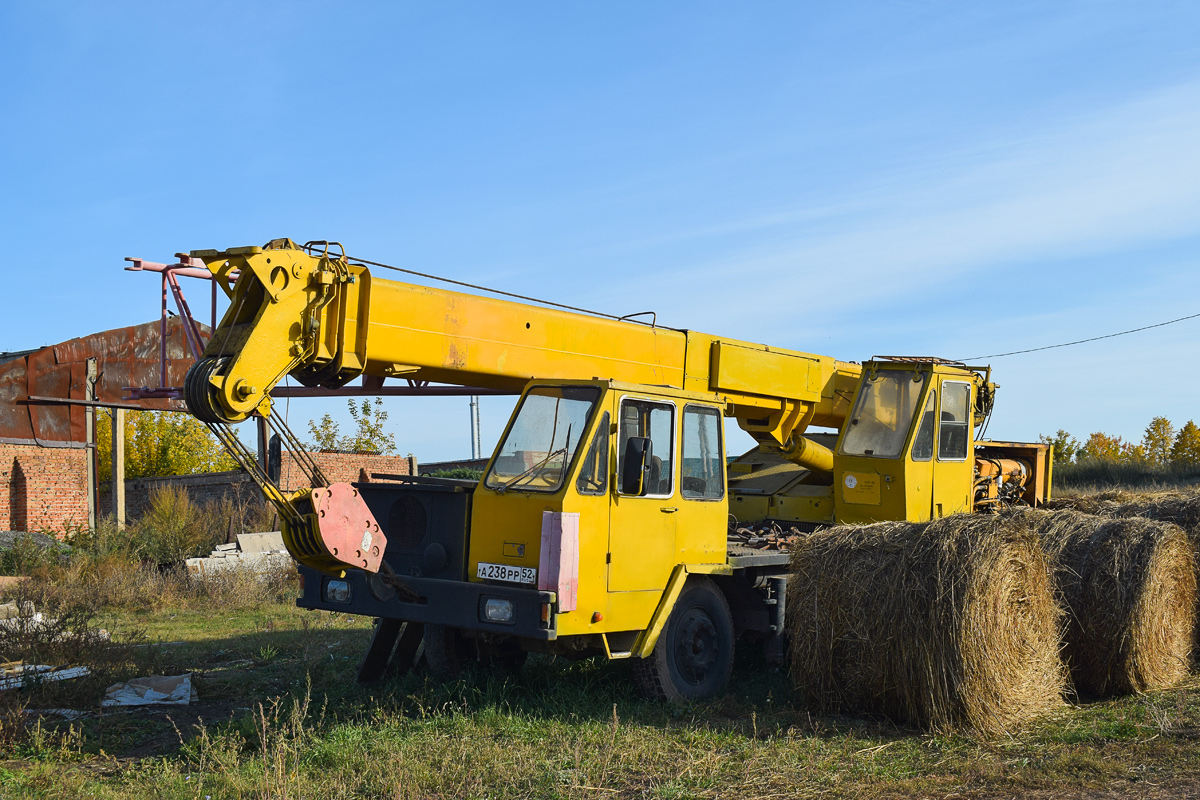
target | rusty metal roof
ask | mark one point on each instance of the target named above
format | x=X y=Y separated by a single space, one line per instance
x=124 y=357
x=6 y=357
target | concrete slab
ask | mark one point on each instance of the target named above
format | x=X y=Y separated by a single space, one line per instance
x=267 y=542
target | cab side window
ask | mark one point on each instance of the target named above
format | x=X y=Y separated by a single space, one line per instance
x=702 y=475
x=655 y=422
x=593 y=475
x=922 y=449
x=955 y=421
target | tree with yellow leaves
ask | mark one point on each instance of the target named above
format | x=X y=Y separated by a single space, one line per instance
x=1186 y=449
x=161 y=443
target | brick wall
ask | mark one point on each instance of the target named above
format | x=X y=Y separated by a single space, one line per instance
x=240 y=488
x=342 y=467
x=42 y=488
x=203 y=488
x=464 y=463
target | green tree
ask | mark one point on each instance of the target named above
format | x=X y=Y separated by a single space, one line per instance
x=326 y=433
x=1186 y=449
x=1102 y=447
x=1066 y=446
x=161 y=443
x=1157 y=441
x=368 y=437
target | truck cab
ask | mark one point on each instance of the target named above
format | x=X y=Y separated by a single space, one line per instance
x=600 y=501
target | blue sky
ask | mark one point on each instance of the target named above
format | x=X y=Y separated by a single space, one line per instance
x=847 y=179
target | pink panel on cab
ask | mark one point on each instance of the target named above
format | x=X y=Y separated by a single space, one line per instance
x=558 y=567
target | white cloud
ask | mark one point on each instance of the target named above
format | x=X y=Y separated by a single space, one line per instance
x=1091 y=184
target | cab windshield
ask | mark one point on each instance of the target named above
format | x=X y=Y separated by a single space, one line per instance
x=540 y=445
x=881 y=418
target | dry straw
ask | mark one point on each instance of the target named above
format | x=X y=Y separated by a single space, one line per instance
x=944 y=624
x=1129 y=589
x=1175 y=507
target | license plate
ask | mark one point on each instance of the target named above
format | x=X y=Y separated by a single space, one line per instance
x=503 y=572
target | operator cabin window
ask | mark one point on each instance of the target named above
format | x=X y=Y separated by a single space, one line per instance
x=652 y=425
x=956 y=421
x=540 y=445
x=883 y=414
x=701 y=473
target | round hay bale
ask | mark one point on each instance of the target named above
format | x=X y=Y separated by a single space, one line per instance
x=944 y=624
x=1129 y=589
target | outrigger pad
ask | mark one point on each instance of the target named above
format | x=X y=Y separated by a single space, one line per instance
x=349 y=531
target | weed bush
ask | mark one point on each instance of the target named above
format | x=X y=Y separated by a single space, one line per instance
x=60 y=627
x=172 y=529
x=28 y=553
x=142 y=569
x=1093 y=476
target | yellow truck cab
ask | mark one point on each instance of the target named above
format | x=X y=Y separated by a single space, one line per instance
x=624 y=487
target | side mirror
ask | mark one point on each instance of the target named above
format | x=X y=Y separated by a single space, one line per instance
x=635 y=465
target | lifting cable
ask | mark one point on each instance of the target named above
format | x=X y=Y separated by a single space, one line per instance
x=1082 y=341
x=627 y=318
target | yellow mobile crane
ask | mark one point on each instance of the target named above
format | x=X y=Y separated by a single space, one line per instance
x=600 y=524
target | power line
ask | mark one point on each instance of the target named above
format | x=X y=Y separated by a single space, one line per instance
x=1083 y=341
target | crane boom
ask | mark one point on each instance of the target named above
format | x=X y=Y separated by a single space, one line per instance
x=325 y=320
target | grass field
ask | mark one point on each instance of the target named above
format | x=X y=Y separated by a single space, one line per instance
x=279 y=716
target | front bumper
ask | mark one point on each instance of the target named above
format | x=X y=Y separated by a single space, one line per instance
x=457 y=604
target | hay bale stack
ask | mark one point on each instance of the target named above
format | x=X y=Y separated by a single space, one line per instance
x=944 y=624
x=1180 y=508
x=1175 y=507
x=1129 y=589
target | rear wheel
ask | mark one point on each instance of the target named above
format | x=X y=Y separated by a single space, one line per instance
x=693 y=657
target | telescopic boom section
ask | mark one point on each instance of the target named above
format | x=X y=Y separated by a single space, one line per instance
x=313 y=314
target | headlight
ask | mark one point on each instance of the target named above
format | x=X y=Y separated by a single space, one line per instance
x=336 y=591
x=497 y=610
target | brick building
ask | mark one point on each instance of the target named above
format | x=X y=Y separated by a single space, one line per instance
x=47 y=466
x=43 y=488
x=46 y=398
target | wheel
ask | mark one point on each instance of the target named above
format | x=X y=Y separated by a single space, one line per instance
x=504 y=654
x=693 y=657
x=446 y=650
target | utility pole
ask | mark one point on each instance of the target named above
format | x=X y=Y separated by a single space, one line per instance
x=89 y=393
x=118 y=466
x=476 y=441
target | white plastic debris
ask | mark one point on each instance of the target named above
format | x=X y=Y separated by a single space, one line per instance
x=174 y=690
x=15 y=675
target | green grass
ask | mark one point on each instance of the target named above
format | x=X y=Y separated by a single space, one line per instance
x=280 y=716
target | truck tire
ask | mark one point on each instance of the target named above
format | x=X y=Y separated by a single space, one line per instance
x=445 y=650
x=505 y=655
x=693 y=656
